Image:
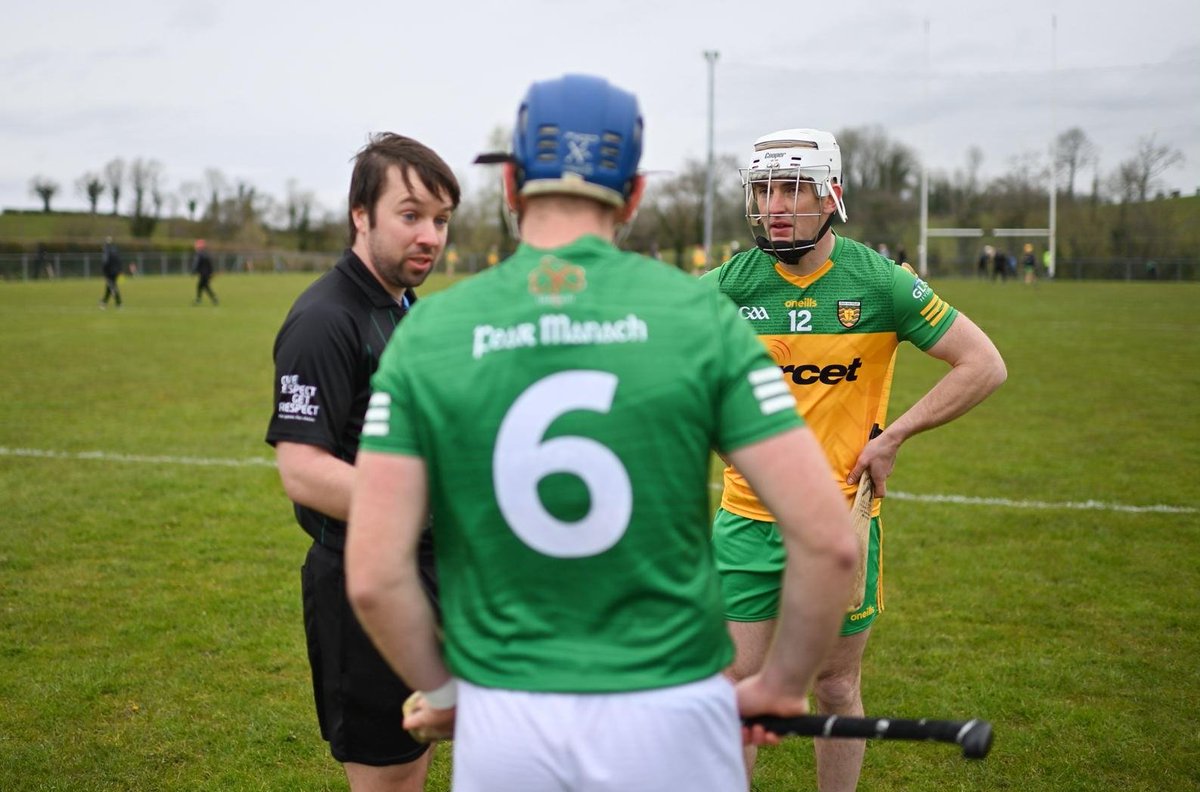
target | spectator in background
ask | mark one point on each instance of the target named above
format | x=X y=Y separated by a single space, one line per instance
x=985 y=260
x=1000 y=265
x=1029 y=264
x=111 y=267
x=202 y=268
x=41 y=263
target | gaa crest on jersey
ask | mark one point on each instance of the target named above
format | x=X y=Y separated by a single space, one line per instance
x=849 y=312
x=555 y=282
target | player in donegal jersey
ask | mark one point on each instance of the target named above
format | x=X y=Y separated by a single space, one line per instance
x=831 y=312
x=556 y=414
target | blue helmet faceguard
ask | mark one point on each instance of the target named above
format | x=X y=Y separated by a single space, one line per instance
x=578 y=135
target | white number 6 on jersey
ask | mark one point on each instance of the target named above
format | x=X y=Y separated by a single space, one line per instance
x=522 y=459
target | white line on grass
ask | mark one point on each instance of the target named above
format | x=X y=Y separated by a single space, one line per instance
x=105 y=456
x=1088 y=505
x=961 y=500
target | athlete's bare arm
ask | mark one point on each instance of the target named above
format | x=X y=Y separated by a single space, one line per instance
x=976 y=370
x=315 y=478
x=387 y=515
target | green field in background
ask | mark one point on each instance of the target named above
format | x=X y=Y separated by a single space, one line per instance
x=150 y=632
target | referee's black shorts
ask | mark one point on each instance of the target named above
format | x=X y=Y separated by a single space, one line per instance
x=358 y=696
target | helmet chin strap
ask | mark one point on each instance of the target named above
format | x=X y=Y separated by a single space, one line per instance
x=791 y=253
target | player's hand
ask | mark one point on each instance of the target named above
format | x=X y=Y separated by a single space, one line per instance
x=755 y=697
x=879 y=457
x=425 y=723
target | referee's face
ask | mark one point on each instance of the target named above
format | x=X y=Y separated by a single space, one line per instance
x=404 y=239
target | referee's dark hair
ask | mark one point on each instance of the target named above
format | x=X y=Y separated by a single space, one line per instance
x=384 y=150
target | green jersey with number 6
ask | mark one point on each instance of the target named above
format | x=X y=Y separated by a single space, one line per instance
x=565 y=403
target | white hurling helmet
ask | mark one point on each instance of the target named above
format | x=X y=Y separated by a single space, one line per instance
x=791 y=156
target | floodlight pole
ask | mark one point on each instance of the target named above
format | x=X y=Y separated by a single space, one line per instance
x=711 y=57
x=1052 y=245
x=923 y=244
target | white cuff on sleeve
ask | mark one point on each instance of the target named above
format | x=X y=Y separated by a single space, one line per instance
x=444 y=697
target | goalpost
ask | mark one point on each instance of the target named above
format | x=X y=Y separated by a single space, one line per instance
x=978 y=233
x=1051 y=232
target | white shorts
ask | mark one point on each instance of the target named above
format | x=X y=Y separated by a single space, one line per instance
x=686 y=737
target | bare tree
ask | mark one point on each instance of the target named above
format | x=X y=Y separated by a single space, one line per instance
x=873 y=162
x=1125 y=182
x=1074 y=151
x=235 y=211
x=971 y=174
x=248 y=204
x=90 y=186
x=854 y=155
x=481 y=220
x=145 y=178
x=43 y=187
x=217 y=186
x=675 y=208
x=114 y=177
x=170 y=201
x=297 y=206
x=959 y=194
x=158 y=198
x=1022 y=179
x=1151 y=161
x=191 y=192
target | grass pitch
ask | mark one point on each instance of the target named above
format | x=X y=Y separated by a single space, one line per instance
x=150 y=630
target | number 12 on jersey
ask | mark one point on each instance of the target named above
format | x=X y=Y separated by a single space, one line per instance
x=801 y=321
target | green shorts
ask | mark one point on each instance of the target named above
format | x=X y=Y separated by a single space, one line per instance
x=750 y=558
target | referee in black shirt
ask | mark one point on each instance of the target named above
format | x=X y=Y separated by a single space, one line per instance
x=401 y=197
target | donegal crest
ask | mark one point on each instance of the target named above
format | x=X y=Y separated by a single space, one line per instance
x=849 y=312
x=555 y=282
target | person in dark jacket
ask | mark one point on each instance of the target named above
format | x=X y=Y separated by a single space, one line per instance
x=202 y=267
x=111 y=267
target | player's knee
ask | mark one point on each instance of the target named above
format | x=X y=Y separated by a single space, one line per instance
x=407 y=777
x=838 y=690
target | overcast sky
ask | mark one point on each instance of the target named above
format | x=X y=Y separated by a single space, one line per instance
x=271 y=92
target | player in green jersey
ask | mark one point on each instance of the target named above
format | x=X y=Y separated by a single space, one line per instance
x=555 y=413
x=831 y=312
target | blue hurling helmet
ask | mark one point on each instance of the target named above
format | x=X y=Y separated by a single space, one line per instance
x=578 y=135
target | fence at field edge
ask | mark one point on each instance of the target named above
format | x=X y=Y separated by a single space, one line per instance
x=29 y=267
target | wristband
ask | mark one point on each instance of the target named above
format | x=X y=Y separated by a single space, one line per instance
x=444 y=697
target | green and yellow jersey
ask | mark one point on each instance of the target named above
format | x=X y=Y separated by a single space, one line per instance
x=834 y=334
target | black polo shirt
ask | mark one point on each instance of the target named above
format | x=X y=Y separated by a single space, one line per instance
x=325 y=354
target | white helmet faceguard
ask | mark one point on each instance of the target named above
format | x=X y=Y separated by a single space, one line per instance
x=789 y=159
